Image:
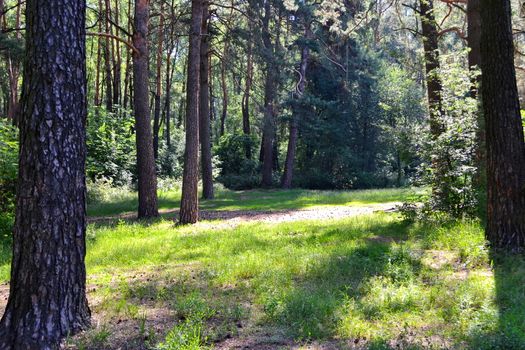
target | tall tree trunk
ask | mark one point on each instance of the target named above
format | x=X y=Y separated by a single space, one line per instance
x=269 y=101
x=189 y=209
x=429 y=28
x=505 y=139
x=13 y=72
x=474 y=62
x=182 y=104
x=167 y=103
x=294 y=127
x=158 y=85
x=147 y=177
x=128 y=70
x=48 y=277
x=245 y=104
x=117 y=68
x=434 y=86
x=107 y=56
x=204 y=112
x=224 y=86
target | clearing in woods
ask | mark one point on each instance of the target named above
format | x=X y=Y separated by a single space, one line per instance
x=294 y=269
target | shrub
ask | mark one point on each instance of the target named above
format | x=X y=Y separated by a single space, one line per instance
x=8 y=177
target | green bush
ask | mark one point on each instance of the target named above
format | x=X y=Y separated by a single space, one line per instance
x=110 y=146
x=237 y=172
x=8 y=177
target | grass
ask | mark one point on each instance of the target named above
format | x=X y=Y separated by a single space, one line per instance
x=373 y=281
x=126 y=201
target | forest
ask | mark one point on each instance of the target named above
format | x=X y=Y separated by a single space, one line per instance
x=262 y=174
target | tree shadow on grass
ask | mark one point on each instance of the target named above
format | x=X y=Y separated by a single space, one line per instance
x=507 y=330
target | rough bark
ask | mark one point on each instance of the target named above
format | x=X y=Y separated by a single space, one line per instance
x=434 y=86
x=294 y=123
x=48 y=278
x=204 y=113
x=189 y=210
x=147 y=177
x=504 y=130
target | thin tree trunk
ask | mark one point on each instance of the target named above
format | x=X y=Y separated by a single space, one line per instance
x=147 y=177
x=505 y=139
x=269 y=101
x=117 y=68
x=204 y=113
x=107 y=57
x=169 y=78
x=245 y=104
x=14 y=76
x=474 y=62
x=182 y=104
x=294 y=127
x=128 y=71
x=224 y=86
x=47 y=299
x=158 y=85
x=189 y=209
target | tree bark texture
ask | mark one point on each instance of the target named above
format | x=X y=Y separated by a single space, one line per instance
x=204 y=113
x=504 y=130
x=48 y=278
x=147 y=177
x=189 y=210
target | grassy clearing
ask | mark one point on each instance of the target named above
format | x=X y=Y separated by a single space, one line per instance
x=126 y=201
x=370 y=282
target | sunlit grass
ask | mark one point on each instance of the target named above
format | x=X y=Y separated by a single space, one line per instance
x=371 y=280
x=126 y=201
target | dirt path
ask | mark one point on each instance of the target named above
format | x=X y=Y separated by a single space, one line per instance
x=232 y=218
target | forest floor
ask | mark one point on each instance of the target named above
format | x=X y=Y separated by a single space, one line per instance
x=294 y=270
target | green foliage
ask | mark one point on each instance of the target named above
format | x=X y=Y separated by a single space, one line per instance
x=111 y=150
x=8 y=177
x=237 y=172
x=449 y=166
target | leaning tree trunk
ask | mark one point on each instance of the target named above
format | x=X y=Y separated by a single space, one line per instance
x=47 y=299
x=294 y=123
x=504 y=129
x=147 y=177
x=204 y=113
x=189 y=210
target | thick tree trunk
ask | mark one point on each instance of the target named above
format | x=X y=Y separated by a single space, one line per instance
x=294 y=127
x=269 y=101
x=189 y=210
x=48 y=278
x=147 y=177
x=204 y=113
x=505 y=139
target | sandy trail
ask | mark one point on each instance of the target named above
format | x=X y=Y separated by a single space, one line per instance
x=232 y=218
